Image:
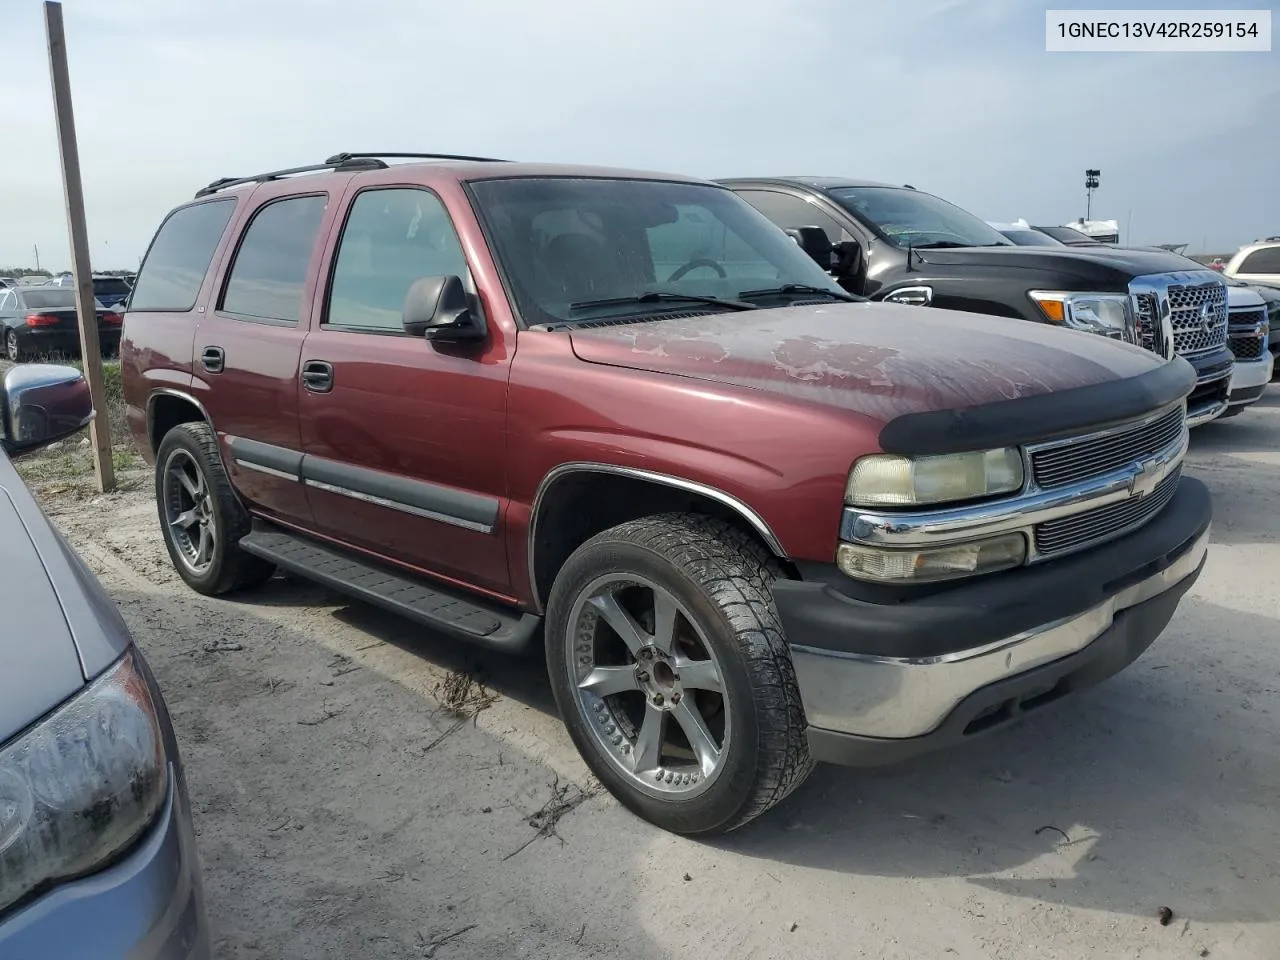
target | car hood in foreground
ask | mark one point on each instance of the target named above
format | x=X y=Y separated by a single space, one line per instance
x=878 y=360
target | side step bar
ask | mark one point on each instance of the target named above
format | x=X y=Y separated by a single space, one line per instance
x=440 y=608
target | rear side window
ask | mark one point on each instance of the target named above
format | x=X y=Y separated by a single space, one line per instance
x=179 y=257
x=270 y=268
x=1266 y=260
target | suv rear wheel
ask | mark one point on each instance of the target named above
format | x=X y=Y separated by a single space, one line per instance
x=672 y=673
x=201 y=518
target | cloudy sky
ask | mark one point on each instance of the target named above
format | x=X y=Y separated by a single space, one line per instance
x=957 y=97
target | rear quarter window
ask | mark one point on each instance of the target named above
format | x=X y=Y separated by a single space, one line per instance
x=1266 y=260
x=179 y=258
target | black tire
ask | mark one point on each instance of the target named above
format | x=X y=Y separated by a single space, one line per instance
x=229 y=568
x=722 y=578
x=13 y=350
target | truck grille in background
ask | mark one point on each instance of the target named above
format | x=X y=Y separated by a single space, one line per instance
x=1196 y=330
x=1096 y=455
x=1244 y=341
x=1081 y=530
x=1150 y=336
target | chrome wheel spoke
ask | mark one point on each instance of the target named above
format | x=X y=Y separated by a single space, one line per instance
x=649 y=740
x=623 y=625
x=699 y=675
x=185 y=519
x=700 y=739
x=664 y=620
x=192 y=486
x=606 y=681
x=204 y=551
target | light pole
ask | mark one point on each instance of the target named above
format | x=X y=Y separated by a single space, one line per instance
x=1091 y=178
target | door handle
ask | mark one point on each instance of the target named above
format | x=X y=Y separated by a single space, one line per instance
x=213 y=359
x=317 y=376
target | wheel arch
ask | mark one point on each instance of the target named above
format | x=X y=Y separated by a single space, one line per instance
x=168 y=408
x=558 y=524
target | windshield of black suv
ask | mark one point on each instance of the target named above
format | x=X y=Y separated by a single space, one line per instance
x=575 y=249
x=111 y=286
x=1031 y=238
x=907 y=217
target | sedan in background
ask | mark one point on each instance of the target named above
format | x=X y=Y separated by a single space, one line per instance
x=42 y=320
x=97 y=850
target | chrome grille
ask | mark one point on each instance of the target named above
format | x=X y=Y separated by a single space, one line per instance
x=1198 y=316
x=1244 y=340
x=1150 y=336
x=1067 y=534
x=1097 y=454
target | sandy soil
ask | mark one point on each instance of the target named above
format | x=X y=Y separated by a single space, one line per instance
x=344 y=811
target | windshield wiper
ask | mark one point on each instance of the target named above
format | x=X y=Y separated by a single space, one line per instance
x=802 y=288
x=661 y=296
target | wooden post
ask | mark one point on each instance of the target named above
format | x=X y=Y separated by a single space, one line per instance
x=86 y=311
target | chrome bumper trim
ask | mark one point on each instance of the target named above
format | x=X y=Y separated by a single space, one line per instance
x=891 y=698
x=1252 y=373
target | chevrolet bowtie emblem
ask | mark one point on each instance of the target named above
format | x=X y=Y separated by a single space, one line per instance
x=1147 y=475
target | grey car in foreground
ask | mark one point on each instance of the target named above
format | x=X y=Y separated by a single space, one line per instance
x=97 y=851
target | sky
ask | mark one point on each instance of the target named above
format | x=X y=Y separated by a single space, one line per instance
x=957 y=97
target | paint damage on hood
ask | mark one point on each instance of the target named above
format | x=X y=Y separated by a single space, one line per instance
x=877 y=360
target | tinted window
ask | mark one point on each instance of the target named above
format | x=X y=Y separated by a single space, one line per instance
x=908 y=217
x=1068 y=235
x=8 y=301
x=1266 y=260
x=271 y=265
x=179 y=257
x=1031 y=238
x=110 y=285
x=391 y=239
x=52 y=298
x=790 y=212
x=562 y=242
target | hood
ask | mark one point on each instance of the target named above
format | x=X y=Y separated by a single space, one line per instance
x=1111 y=264
x=39 y=663
x=1241 y=297
x=876 y=360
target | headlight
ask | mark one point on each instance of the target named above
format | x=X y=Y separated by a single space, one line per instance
x=931 y=564
x=886 y=480
x=82 y=785
x=1109 y=314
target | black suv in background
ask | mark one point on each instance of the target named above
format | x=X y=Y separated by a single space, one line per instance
x=903 y=245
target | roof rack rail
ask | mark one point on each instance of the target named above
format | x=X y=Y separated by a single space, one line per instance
x=338 y=162
x=343 y=157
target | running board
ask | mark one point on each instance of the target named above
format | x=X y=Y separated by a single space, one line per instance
x=440 y=608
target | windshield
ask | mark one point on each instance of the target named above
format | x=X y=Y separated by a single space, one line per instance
x=910 y=218
x=565 y=244
x=53 y=298
x=1067 y=235
x=1031 y=238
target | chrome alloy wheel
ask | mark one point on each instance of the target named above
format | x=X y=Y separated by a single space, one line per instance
x=188 y=511
x=649 y=686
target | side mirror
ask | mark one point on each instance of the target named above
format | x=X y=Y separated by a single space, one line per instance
x=41 y=404
x=439 y=308
x=848 y=258
x=815 y=242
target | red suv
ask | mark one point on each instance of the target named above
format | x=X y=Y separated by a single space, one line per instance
x=516 y=401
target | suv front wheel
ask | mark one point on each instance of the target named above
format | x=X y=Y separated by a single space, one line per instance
x=672 y=673
x=201 y=518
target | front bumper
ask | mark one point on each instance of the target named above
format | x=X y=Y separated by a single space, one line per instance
x=65 y=342
x=881 y=682
x=1249 y=379
x=1209 y=399
x=148 y=906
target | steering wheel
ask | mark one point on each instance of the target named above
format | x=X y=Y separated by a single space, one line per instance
x=694 y=264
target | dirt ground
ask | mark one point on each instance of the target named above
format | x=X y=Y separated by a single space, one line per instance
x=356 y=796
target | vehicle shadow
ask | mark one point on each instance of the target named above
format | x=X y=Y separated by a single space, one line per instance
x=1153 y=789
x=1125 y=798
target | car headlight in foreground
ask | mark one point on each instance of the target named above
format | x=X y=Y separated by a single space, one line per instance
x=1108 y=314
x=887 y=480
x=79 y=787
